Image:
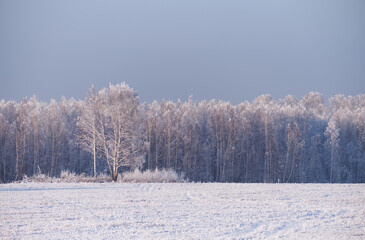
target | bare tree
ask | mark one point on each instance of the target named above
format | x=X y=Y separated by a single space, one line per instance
x=86 y=124
x=113 y=128
x=4 y=134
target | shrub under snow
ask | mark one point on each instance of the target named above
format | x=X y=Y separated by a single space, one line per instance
x=148 y=176
x=66 y=176
x=40 y=177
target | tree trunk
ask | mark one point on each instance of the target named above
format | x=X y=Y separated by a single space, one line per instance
x=94 y=145
x=115 y=176
x=17 y=156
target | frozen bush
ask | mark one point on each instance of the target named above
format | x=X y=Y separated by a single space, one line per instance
x=148 y=176
x=36 y=178
x=67 y=176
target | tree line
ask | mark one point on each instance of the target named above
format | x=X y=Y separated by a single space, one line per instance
x=110 y=131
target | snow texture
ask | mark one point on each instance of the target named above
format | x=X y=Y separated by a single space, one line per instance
x=181 y=211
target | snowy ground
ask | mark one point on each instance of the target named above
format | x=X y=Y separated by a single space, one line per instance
x=182 y=211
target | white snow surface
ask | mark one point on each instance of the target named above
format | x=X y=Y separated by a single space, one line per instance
x=181 y=211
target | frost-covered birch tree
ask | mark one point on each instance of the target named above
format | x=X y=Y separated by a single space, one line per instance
x=115 y=128
x=86 y=124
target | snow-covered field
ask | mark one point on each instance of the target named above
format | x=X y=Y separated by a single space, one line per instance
x=182 y=211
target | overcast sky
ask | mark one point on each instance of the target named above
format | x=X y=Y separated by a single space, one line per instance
x=226 y=50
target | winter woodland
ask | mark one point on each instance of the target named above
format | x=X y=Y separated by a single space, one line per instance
x=111 y=131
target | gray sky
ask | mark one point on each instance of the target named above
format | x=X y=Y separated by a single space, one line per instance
x=226 y=50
